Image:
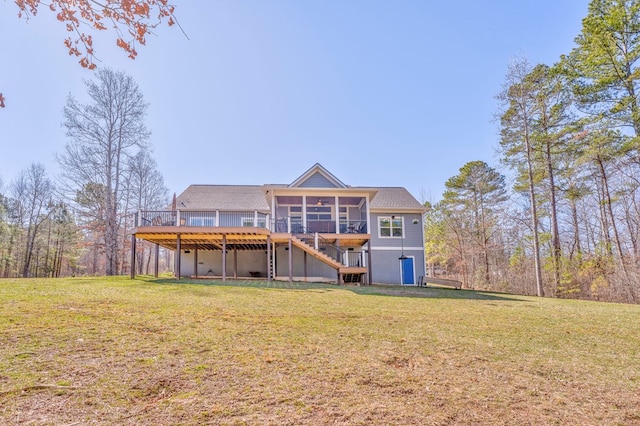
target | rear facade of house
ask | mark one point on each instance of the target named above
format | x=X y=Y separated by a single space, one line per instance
x=314 y=229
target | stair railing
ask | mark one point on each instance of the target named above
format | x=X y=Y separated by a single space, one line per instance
x=319 y=243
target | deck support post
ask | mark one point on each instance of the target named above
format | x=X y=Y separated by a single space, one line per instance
x=235 y=262
x=133 y=256
x=224 y=257
x=305 y=266
x=369 y=263
x=178 y=255
x=269 y=261
x=156 y=263
x=195 y=261
x=290 y=261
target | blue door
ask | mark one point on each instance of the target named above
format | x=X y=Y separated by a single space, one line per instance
x=407 y=270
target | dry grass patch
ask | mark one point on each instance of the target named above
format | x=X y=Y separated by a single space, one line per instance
x=117 y=351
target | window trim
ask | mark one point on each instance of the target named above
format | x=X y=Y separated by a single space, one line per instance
x=391 y=227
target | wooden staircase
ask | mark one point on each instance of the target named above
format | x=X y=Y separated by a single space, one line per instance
x=316 y=253
x=346 y=274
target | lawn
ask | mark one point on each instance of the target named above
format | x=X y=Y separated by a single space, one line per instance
x=118 y=351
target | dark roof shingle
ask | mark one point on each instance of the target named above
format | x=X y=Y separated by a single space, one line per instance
x=223 y=197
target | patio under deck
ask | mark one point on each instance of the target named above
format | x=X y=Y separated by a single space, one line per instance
x=177 y=238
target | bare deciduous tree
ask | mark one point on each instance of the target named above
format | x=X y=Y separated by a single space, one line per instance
x=146 y=191
x=32 y=199
x=104 y=134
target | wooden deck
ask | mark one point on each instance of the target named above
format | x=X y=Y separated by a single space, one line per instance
x=246 y=238
x=250 y=238
x=205 y=238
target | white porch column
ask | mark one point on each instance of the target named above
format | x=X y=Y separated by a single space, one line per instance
x=337 y=216
x=304 y=213
x=366 y=200
x=218 y=218
x=274 y=217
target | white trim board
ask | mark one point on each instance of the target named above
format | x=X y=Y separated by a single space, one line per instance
x=396 y=248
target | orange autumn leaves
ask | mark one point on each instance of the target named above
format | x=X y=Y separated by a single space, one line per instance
x=132 y=21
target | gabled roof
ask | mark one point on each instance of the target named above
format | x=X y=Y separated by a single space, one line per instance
x=317 y=177
x=394 y=198
x=254 y=197
x=223 y=197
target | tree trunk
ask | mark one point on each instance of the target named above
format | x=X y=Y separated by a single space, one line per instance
x=609 y=208
x=534 y=220
x=576 y=229
x=556 y=250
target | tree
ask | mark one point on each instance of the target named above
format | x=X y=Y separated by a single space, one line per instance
x=131 y=20
x=4 y=231
x=474 y=196
x=603 y=65
x=104 y=134
x=32 y=201
x=146 y=191
x=436 y=248
x=553 y=129
x=517 y=120
x=62 y=245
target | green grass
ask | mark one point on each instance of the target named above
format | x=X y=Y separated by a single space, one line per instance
x=145 y=351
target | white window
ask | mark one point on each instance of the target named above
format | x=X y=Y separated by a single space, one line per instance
x=390 y=226
x=319 y=213
x=343 y=215
x=202 y=221
x=295 y=213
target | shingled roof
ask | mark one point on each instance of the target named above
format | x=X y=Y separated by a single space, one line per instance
x=253 y=197
x=224 y=197
x=389 y=198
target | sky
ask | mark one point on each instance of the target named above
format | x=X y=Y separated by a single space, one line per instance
x=381 y=93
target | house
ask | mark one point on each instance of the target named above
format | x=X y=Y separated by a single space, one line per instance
x=316 y=228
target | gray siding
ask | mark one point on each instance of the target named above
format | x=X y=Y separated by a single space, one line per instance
x=412 y=236
x=317 y=180
x=386 y=251
x=315 y=268
x=210 y=263
x=386 y=265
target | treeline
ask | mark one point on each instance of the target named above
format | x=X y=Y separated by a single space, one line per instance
x=79 y=223
x=569 y=226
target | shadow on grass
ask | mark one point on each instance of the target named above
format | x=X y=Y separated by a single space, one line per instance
x=374 y=290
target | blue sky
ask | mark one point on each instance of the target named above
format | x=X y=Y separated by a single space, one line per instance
x=381 y=93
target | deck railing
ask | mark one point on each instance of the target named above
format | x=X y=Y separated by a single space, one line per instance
x=353 y=226
x=353 y=258
x=156 y=218
x=191 y=218
x=294 y=225
x=202 y=218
